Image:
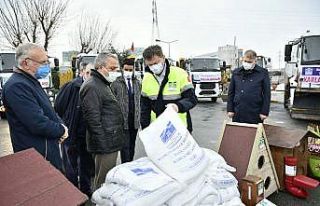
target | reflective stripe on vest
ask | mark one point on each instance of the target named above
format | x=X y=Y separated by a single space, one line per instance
x=177 y=83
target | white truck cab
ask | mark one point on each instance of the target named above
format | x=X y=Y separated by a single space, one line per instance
x=206 y=76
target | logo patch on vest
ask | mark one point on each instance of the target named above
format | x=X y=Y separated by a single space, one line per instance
x=172 y=86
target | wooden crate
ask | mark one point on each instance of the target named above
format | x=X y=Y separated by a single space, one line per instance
x=287 y=142
x=252 y=190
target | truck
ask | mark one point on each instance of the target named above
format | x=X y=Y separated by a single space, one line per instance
x=302 y=77
x=7 y=63
x=264 y=62
x=205 y=75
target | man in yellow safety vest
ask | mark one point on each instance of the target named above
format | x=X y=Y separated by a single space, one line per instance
x=164 y=85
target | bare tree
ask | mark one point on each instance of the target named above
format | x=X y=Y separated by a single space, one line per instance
x=50 y=15
x=31 y=20
x=93 y=35
x=12 y=21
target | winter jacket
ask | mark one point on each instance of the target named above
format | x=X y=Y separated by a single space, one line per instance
x=120 y=89
x=68 y=107
x=249 y=94
x=31 y=117
x=102 y=113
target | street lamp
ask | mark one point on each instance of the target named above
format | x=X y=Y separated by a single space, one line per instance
x=167 y=42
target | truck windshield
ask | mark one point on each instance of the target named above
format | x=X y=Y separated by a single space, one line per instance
x=88 y=59
x=260 y=62
x=311 y=50
x=205 y=64
x=7 y=61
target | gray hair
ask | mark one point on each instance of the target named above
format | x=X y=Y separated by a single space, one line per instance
x=23 y=51
x=102 y=59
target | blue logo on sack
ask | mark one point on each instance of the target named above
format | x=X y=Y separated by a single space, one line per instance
x=142 y=171
x=168 y=133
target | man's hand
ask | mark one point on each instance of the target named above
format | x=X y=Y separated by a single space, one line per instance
x=230 y=114
x=65 y=134
x=173 y=106
x=263 y=117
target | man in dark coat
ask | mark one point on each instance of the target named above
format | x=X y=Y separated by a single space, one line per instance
x=249 y=92
x=103 y=116
x=77 y=160
x=31 y=117
x=127 y=89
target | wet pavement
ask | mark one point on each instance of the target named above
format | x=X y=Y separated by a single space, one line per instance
x=208 y=119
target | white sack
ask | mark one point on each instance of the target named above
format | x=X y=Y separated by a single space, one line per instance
x=140 y=174
x=125 y=196
x=216 y=160
x=207 y=192
x=189 y=193
x=220 y=178
x=171 y=147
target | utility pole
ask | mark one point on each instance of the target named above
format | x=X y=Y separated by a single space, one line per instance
x=279 y=60
x=155 y=22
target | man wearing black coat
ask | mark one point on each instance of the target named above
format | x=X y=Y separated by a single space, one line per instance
x=77 y=160
x=249 y=92
x=103 y=116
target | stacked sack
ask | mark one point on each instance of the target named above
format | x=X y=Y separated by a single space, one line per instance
x=216 y=186
x=176 y=172
x=136 y=183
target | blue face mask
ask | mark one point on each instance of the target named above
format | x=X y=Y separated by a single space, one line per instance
x=42 y=71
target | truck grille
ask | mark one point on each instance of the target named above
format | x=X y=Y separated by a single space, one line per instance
x=207 y=85
x=207 y=92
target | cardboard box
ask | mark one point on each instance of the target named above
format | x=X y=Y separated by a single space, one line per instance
x=28 y=179
x=252 y=190
x=287 y=142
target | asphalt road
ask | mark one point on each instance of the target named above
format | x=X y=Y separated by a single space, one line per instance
x=208 y=119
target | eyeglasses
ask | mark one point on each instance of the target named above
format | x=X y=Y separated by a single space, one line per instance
x=41 y=63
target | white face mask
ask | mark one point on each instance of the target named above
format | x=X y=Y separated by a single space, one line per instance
x=247 y=66
x=157 y=68
x=127 y=75
x=111 y=76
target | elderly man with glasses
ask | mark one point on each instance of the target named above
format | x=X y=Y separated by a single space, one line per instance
x=31 y=117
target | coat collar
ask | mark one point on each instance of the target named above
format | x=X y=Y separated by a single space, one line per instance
x=27 y=75
x=97 y=75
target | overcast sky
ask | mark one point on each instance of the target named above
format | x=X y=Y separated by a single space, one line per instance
x=201 y=26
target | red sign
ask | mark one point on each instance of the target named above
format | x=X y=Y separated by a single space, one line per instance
x=312 y=79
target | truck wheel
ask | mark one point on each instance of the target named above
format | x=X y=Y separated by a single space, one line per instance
x=286 y=96
x=214 y=99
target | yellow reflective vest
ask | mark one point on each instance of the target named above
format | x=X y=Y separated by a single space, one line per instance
x=177 y=83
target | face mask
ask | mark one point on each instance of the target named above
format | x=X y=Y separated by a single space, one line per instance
x=111 y=76
x=247 y=66
x=127 y=75
x=42 y=71
x=157 y=68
